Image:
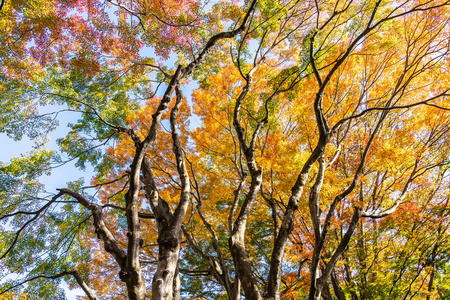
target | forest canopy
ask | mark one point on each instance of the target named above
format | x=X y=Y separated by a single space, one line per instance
x=257 y=149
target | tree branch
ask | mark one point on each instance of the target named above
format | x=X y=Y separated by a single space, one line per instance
x=110 y=243
x=36 y=213
x=89 y=293
x=141 y=214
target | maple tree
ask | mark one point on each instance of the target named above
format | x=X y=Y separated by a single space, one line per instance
x=310 y=161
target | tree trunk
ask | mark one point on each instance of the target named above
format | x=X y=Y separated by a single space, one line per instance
x=433 y=269
x=166 y=276
x=243 y=268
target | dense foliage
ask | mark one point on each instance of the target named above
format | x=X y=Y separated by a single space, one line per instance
x=261 y=149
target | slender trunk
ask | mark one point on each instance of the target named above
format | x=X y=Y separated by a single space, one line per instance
x=89 y=292
x=354 y=295
x=315 y=291
x=287 y=225
x=327 y=293
x=236 y=241
x=336 y=287
x=132 y=273
x=433 y=270
x=243 y=267
x=361 y=253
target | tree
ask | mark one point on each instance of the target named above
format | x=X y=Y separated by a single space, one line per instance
x=321 y=142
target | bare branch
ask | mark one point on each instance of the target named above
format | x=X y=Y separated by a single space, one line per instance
x=89 y=293
x=180 y=211
x=37 y=214
x=111 y=245
x=141 y=214
x=223 y=35
x=56 y=276
x=387 y=108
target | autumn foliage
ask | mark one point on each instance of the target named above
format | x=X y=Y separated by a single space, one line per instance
x=258 y=149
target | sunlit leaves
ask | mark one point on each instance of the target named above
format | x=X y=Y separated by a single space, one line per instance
x=364 y=84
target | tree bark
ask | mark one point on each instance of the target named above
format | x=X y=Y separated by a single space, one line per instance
x=242 y=264
x=315 y=291
x=166 y=274
x=89 y=292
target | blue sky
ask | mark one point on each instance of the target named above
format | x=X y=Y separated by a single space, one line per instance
x=67 y=172
x=59 y=176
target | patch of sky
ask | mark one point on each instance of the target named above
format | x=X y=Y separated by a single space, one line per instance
x=67 y=172
x=60 y=175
